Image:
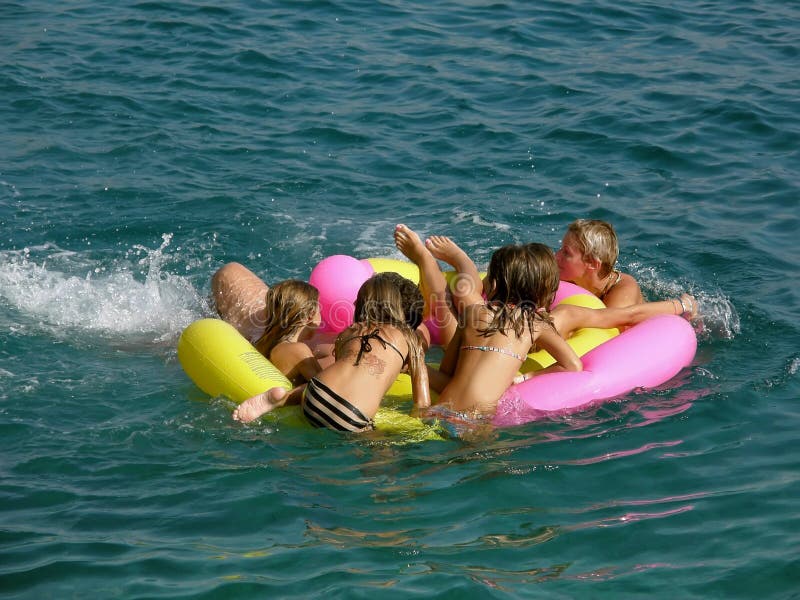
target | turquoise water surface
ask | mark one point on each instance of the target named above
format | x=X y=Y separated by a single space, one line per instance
x=145 y=144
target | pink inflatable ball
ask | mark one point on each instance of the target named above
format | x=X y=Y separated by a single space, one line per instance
x=338 y=279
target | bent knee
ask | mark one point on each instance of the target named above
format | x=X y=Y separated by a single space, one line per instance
x=227 y=273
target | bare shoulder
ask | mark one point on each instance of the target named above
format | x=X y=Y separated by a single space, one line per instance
x=293 y=349
x=564 y=317
x=625 y=293
x=394 y=335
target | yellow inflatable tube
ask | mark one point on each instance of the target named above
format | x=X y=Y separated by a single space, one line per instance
x=222 y=363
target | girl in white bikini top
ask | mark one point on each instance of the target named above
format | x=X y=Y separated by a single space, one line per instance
x=495 y=335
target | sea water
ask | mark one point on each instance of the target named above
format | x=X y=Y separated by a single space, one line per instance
x=145 y=144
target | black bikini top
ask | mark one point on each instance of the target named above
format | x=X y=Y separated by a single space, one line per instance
x=367 y=347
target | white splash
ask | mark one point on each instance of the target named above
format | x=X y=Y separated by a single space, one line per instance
x=462 y=216
x=794 y=365
x=717 y=314
x=64 y=292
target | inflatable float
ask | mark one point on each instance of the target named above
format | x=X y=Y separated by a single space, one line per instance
x=222 y=363
x=644 y=356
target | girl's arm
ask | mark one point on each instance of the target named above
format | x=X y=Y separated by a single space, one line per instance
x=295 y=358
x=440 y=377
x=566 y=359
x=420 y=391
x=450 y=358
x=569 y=318
x=437 y=380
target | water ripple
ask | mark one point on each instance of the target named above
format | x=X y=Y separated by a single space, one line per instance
x=279 y=133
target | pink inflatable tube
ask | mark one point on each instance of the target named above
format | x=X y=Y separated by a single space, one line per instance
x=646 y=356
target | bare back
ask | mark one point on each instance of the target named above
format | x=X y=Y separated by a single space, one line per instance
x=364 y=384
x=486 y=365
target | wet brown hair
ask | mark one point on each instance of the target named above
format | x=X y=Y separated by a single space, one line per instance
x=389 y=298
x=521 y=282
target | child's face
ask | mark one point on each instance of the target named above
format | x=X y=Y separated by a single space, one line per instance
x=570 y=261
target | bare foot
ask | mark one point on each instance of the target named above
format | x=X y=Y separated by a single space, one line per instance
x=443 y=248
x=408 y=242
x=254 y=407
x=467 y=279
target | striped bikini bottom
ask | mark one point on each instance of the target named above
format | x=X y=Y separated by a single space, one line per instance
x=325 y=408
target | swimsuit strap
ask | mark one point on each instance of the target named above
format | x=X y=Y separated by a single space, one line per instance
x=510 y=353
x=367 y=347
x=610 y=285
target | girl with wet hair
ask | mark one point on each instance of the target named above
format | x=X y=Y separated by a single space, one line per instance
x=291 y=316
x=495 y=334
x=370 y=354
x=587 y=257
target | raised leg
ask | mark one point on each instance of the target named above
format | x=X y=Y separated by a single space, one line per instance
x=467 y=284
x=432 y=281
x=238 y=295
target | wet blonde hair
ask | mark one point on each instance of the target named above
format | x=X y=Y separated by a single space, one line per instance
x=521 y=282
x=596 y=240
x=290 y=305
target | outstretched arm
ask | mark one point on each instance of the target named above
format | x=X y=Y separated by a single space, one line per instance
x=566 y=359
x=568 y=318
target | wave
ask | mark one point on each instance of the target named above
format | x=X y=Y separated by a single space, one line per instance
x=717 y=316
x=63 y=293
